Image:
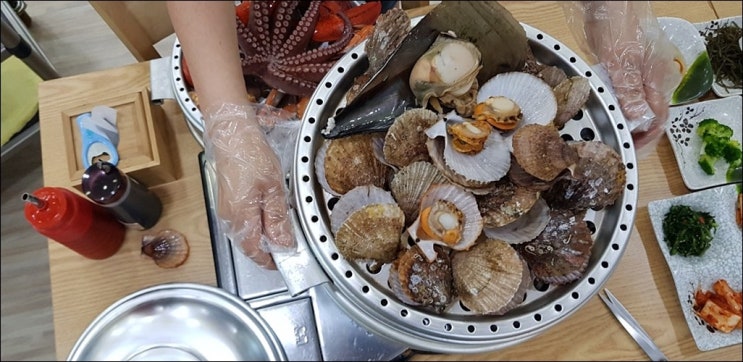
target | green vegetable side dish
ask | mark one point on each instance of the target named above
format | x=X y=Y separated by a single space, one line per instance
x=688 y=232
x=696 y=81
x=717 y=145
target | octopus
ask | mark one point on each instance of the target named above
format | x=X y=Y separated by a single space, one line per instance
x=275 y=45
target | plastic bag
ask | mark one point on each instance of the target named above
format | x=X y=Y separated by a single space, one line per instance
x=634 y=57
x=252 y=150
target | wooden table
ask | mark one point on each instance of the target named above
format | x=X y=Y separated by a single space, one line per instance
x=81 y=289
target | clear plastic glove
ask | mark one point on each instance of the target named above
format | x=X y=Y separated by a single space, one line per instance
x=251 y=188
x=636 y=56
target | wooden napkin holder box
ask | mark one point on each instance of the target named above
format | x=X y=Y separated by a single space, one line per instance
x=143 y=139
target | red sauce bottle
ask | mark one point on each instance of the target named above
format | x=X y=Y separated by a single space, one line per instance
x=73 y=221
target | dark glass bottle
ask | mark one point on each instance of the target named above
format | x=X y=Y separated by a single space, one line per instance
x=132 y=203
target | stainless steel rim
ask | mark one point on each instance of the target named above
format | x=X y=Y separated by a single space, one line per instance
x=268 y=340
x=365 y=295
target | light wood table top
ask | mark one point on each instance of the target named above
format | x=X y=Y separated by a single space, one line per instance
x=81 y=289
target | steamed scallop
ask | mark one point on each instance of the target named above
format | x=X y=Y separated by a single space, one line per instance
x=436 y=151
x=419 y=282
x=596 y=182
x=409 y=184
x=506 y=203
x=532 y=95
x=488 y=165
x=449 y=67
x=367 y=224
x=490 y=278
x=448 y=216
x=527 y=227
x=560 y=253
x=541 y=152
x=571 y=95
x=405 y=141
x=344 y=163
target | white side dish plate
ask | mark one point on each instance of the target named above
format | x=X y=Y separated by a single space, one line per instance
x=721 y=261
x=687 y=145
x=706 y=26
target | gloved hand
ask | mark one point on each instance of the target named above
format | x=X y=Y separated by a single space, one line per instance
x=624 y=37
x=252 y=201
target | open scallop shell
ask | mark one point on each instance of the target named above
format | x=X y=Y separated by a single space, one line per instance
x=367 y=224
x=488 y=165
x=436 y=150
x=419 y=282
x=465 y=202
x=490 y=278
x=525 y=228
x=506 y=203
x=405 y=141
x=533 y=95
x=409 y=184
x=344 y=163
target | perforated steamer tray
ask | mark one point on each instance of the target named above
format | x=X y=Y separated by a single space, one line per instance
x=366 y=297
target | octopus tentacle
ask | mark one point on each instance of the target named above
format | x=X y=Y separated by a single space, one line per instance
x=328 y=52
x=313 y=72
x=302 y=34
x=273 y=46
x=289 y=83
x=281 y=24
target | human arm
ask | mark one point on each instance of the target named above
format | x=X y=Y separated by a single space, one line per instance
x=250 y=184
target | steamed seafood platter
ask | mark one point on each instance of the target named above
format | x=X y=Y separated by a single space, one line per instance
x=459 y=181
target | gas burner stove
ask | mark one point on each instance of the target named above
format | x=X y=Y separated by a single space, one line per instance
x=310 y=326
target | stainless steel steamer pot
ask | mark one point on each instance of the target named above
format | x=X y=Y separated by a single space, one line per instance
x=365 y=296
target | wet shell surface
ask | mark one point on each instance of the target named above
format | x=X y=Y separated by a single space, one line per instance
x=367 y=224
x=506 y=203
x=541 y=152
x=453 y=211
x=409 y=184
x=436 y=151
x=525 y=228
x=559 y=255
x=596 y=182
x=488 y=165
x=344 y=163
x=571 y=95
x=449 y=67
x=419 y=282
x=168 y=248
x=490 y=278
x=405 y=141
x=533 y=95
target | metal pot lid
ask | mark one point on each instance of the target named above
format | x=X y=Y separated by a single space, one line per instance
x=178 y=322
x=365 y=295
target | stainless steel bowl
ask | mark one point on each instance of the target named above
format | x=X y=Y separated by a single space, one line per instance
x=178 y=322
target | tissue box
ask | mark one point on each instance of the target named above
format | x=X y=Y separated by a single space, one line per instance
x=143 y=139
